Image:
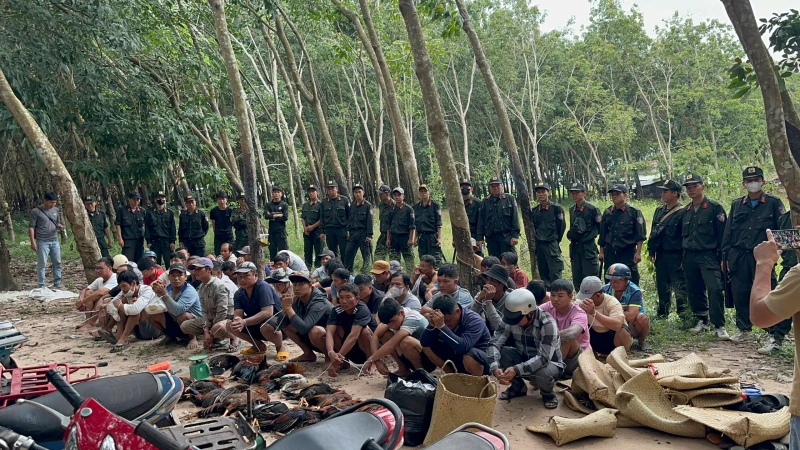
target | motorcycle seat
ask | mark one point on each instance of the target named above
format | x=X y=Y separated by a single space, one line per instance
x=128 y=396
x=462 y=440
x=346 y=432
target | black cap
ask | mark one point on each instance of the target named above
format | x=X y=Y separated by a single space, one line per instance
x=177 y=266
x=275 y=187
x=332 y=183
x=160 y=194
x=188 y=198
x=541 y=185
x=89 y=199
x=577 y=187
x=385 y=189
x=499 y=274
x=618 y=188
x=134 y=194
x=670 y=185
x=468 y=183
x=241 y=195
x=358 y=186
x=222 y=194
x=495 y=180
x=312 y=188
x=752 y=171
x=692 y=178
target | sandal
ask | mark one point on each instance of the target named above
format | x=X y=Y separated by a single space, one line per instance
x=107 y=336
x=550 y=401
x=120 y=348
x=514 y=392
x=645 y=347
x=252 y=351
x=282 y=355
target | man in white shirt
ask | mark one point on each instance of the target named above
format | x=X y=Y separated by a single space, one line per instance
x=90 y=296
x=226 y=252
x=126 y=310
x=295 y=262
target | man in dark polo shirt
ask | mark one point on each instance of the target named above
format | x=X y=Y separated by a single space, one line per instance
x=428 y=220
x=130 y=227
x=159 y=229
x=99 y=222
x=401 y=232
x=220 y=216
x=335 y=214
x=622 y=232
x=368 y=293
x=192 y=228
x=349 y=330
x=310 y=215
x=359 y=228
x=253 y=304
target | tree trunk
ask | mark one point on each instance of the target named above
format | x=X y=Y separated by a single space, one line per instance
x=741 y=14
x=5 y=215
x=440 y=135
x=72 y=204
x=243 y=125
x=517 y=173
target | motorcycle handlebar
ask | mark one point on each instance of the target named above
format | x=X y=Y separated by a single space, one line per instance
x=64 y=388
x=161 y=441
x=15 y=440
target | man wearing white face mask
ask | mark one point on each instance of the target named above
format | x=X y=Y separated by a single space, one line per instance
x=750 y=216
x=399 y=289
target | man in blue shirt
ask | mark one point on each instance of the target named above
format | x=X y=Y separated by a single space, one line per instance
x=630 y=297
x=182 y=303
x=457 y=334
x=253 y=305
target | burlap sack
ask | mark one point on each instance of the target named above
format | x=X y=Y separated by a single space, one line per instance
x=685 y=383
x=708 y=397
x=690 y=366
x=601 y=423
x=746 y=429
x=597 y=379
x=460 y=399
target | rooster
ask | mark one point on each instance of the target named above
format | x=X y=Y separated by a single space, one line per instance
x=248 y=367
x=276 y=371
x=270 y=411
x=235 y=399
x=307 y=391
x=195 y=390
x=334 y=398
x=222 y=363
x=290 y=420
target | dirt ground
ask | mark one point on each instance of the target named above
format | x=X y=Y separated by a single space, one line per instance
x=49 y=326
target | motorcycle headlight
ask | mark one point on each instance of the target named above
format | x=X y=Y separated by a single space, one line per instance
x=72 y=439
x=108 y=443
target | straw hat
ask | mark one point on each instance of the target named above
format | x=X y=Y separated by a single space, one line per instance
x=746 y=429
x=643 y=399
x=601 y=423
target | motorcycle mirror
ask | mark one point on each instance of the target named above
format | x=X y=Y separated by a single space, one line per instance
x=62 y=419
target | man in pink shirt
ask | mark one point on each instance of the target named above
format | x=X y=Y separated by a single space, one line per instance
x=573 y=325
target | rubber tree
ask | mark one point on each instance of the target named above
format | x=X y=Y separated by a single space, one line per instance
x=440 y=137
x=74 y=210
x=517 y=172
x=243 y=126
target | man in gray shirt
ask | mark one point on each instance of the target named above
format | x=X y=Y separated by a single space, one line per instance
x=43 y=228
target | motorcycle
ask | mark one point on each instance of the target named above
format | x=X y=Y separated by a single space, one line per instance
x=10 y=339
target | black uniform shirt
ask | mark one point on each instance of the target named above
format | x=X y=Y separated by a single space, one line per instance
x=192 y=226
x=223 y=226
x=159 y=224
x=386 y=210
x=335 y=212
x=670 y=238
x=402 y=220
x=131 y=222
x=622 y=227
x=549 y=222
x=584 y=223
x=361 y=217
x=498 y=215
x=427 y=217
x=277 y=224
x=473 y=207
x=702 y=226
x=99 y=223
x=747 y=224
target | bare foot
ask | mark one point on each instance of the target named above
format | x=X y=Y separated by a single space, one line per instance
x=85 y=328
x=305 y=358
x=193 y=345
x=403 y=373
x=332 y=372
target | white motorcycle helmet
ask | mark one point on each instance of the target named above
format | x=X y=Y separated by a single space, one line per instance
x=519 y=303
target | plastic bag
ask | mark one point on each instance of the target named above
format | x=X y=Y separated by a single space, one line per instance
x=155 y=306
x=414 y=396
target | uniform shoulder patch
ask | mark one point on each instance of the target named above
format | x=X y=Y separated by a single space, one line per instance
x=598 y=218
x=721 y=217
x=640 y=220
x=781 y=209
x=561 y=216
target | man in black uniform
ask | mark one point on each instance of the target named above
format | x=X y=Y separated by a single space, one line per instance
x=335 y=215
x=239 y=222
x=359 y=229
x=192 y=228
x=277 y=213
x=498 y=221
x=428 y=220
x=622 y=232
x=665 y=249
x=702 y=227
x=220 y=216
x=749 y=218
x=130 y=228
x=159 y=230
x=401 y=232
x=548 y=220
x=473 y=206
x=777 y=332
x=310 y=216
x=584 y=227
x=99 y=223
x=385 y=211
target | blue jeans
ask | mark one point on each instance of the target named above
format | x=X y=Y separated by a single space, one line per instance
x=794 y=433
x=48 y=249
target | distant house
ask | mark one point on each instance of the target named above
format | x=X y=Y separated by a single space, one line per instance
x=650 y=185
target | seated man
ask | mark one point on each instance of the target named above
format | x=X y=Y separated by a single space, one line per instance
x=319 y=273
x=150 y=271
x=457 y=334
x=400 y=290
x=397 y=335
x=509 y=261
x=630 y=297
x=254 y=303
x=126 y=310
x=367 y=293
x=536 y=352
x=281 y=261
x=302 y=319
x=226 y=252
x=339 y=277
x=423 y=277
x=214 y=302
x=491 y=298
x=349 y=331
x=447 y=284
x=229 y=270
x=573 y=325
x=294 y=262
x=244 y=254
x=182 y=303
x=381 y=270
x=90 y=296
x=606 y=319
x=177 y=258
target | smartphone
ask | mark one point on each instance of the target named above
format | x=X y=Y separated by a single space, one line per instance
x=787 y=239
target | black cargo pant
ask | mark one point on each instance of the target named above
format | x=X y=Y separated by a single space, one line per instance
x=357 y=240
x=670 y=280
x=278 y=242
x=426 y=244
x=312 y=247
x=337 y=240
x=195 y=247
x=101 y=243
x=613 y=255
x=742 y=266
x=133 y=249
x=584 y=262
x=702 y=274
x=399 y=247
x=499 y=243
x=161 y=248
x=381 y=250
x=549 y=262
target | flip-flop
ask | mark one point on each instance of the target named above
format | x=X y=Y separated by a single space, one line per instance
x=550 y=401
x=252 y=351
x=282 y=356
x=108 y=337
x=119 y=348
x=513 y=392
